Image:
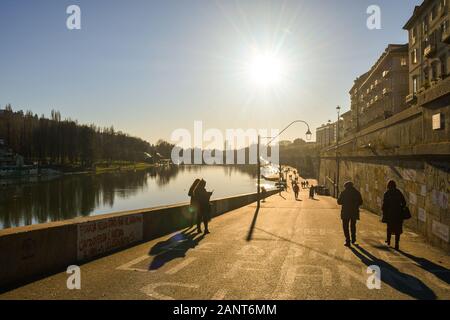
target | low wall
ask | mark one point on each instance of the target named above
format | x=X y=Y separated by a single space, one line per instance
x=32 y=251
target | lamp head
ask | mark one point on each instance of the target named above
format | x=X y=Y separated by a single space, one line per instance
x=308 y=135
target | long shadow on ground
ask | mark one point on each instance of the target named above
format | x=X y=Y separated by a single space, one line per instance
x=396 y=279
x=427 y=265
x=174 y=247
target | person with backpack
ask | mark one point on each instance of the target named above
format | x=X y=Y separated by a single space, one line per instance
x=204 y=207
x=193 y=206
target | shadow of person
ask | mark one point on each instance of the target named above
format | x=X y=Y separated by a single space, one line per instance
x=396 y=279
x=174 y=247
x=439 y=271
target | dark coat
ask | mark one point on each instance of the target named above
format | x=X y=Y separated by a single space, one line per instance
x=194 y=203
x=350 y=199
x=203 y=196
x=393 y=204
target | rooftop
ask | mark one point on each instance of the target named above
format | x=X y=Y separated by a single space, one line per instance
x=418 y=10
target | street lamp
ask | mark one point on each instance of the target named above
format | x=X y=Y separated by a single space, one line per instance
x=338 y=108
x=308 y=136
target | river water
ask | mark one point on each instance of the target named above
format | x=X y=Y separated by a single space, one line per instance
x=67 y=197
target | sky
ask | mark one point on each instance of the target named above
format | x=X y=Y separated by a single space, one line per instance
x=149 y=67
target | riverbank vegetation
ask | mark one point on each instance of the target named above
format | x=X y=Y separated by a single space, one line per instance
x=71 y=146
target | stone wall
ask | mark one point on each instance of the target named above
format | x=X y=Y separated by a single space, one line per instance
x=403 y=148
x=425 y=186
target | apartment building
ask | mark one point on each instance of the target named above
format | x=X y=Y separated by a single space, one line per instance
x=381 y=92
x=326 y=134
x=429 y=37
x=356 y=101
x=429 y=51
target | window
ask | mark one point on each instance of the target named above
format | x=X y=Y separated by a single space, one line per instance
x=403 y=62
x=443 y=60
x=424 y=27
x=413 y=34
x=414 y=56
x=434 y=71
x=444 y=26
x=426 y=74
x=433 y=13
x=415 y=84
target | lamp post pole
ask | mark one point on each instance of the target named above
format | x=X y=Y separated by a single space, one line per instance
x=308 y=137
x=338 y=108
x=259 y=168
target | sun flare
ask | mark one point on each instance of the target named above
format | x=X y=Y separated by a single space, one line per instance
x=266 y=70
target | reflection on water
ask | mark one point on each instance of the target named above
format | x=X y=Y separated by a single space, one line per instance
x=89 y=194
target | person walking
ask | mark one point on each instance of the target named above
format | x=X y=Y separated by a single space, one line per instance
x=312 y=190
x=203 y=213
x=193 y=207
x=296 y=190
x=350 y=199
x=393 y=205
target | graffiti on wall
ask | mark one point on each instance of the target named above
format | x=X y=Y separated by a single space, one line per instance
x=101 y=236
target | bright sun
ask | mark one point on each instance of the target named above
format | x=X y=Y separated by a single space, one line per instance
x=265 y=70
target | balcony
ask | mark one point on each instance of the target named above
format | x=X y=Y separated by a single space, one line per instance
x=386 y=91
x=429 y=50
x=386 y=73
x=446 y=36
x=411 y=98
x=440 y=91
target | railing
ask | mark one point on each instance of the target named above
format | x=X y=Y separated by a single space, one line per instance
x=410 y=98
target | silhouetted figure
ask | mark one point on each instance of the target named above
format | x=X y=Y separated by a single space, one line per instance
x=393 y=204
x=263 y=194
x=193 y=208
x=202 y=196
x=350 y=199
x=312 y=190
x=296 y=190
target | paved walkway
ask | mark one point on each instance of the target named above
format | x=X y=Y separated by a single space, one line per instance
x=296 y=252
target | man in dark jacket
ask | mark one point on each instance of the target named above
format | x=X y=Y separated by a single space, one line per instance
x=351 y=200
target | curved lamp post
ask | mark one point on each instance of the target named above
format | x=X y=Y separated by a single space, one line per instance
x=308 y=137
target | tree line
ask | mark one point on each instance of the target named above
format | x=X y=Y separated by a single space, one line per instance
x=53 y=141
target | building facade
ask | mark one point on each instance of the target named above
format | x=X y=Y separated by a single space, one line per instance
x=326 y=135
x=429 y=81
x=411 y=142
x=381 y=92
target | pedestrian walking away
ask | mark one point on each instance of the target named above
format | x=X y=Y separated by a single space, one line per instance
x=350 y=199
x=394 y=206
x=296 y=191
x=312 y=190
